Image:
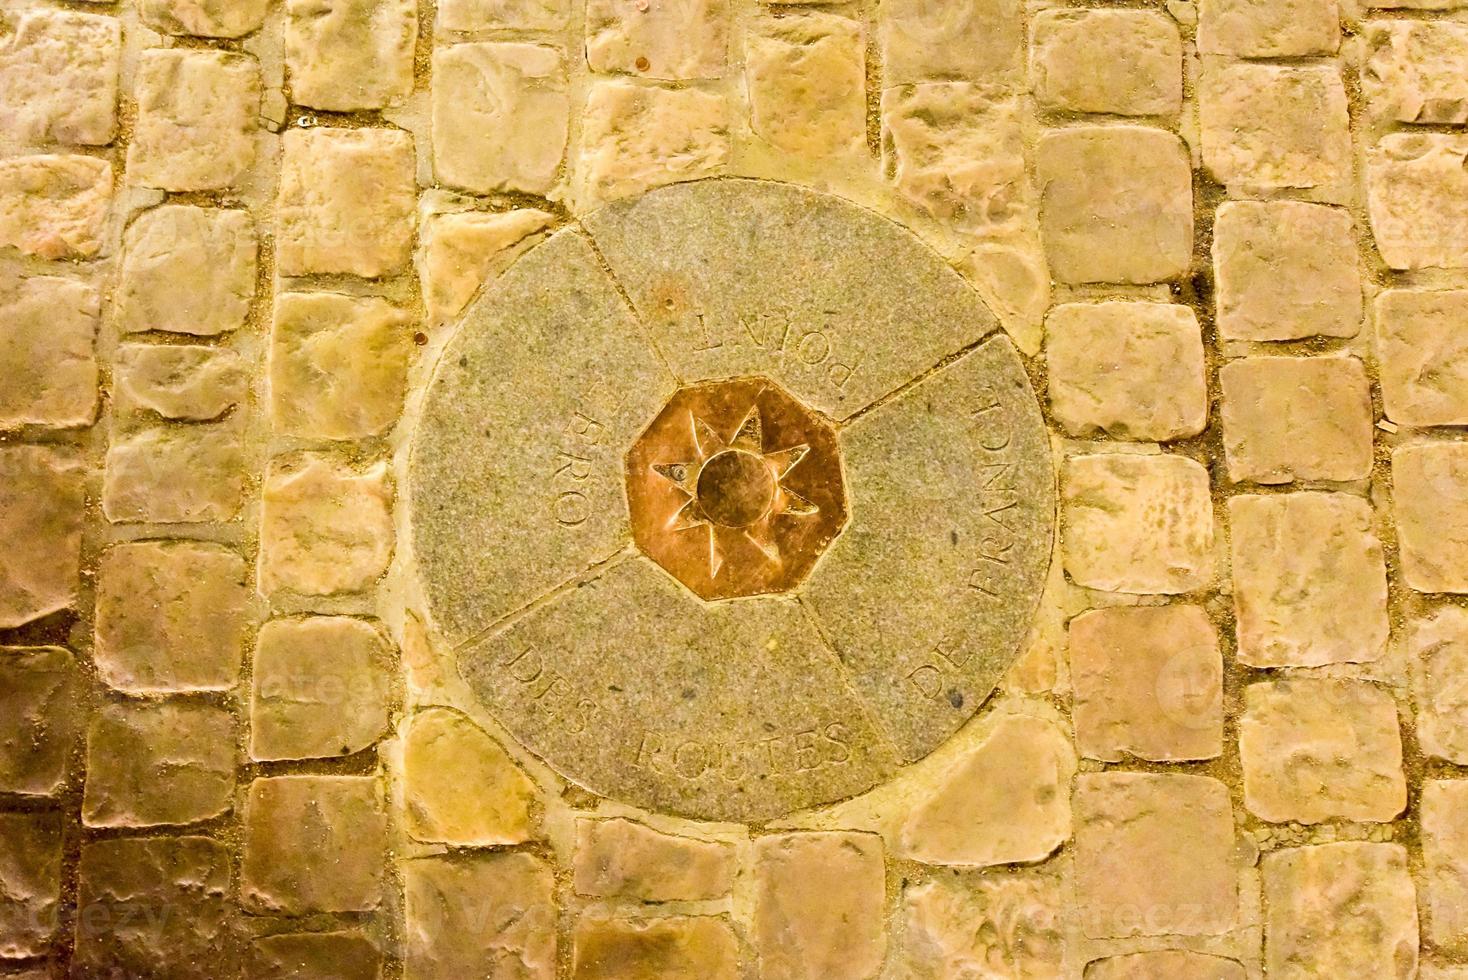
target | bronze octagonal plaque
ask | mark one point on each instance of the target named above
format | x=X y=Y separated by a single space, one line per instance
x=731 y=500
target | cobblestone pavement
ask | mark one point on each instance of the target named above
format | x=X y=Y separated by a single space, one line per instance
x=1227 y=239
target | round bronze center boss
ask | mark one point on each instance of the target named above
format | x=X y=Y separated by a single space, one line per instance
x=731 y=500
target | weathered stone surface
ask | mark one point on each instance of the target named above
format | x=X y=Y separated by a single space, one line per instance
x=956 y=150
x=1316 y=749
x=170 y=617
x=637 y=137
x=30 y=882
x=187 y=270
x=47 y=328
x=1268 y=28
x=1422 y=352
x=1139 y=524
x=350 y=54
x=483 y=15
x=176 y=474
x=1445 y=853
x=672 y=948
x=1116 y=204
x=975 y=40
x=313 y=844
x=154 y=907
x=1309 y=580
x=58 y=78
x=152 y=764
x=1285 y=270
x=1336 y=910
x=1014 y=281
x=460 y=787
x=971 y=462
x=346 y=202
x=482 y=916
x=315 y=956
x=623 y=859
x=819 y=901
x=1296 y=418
x=1437 y=648
x=53 y=206
x=1007 y=803
x=1126 y=62
x=462 y=250
x=1415 y=71
x=1004 y=925
x=41 y=498
x=184 y=382
x=1431 y=508
x=207 y=18
x=1165 y=964
x=559 y=320
x=197 y=115
x=1274 y=126
x=1131 y=370
x=669 y=39
x=338 y=365
x=326 y=524
x=39 y=705
x=1179 y=829
x=1148 y=683
x=806 y=77
x=775 y=730
x=500 y=116
x=319 y=688
x=1417 y=196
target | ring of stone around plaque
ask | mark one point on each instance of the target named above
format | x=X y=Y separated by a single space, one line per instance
x=730 y=500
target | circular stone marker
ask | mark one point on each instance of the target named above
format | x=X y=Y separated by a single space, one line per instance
x=731 y=500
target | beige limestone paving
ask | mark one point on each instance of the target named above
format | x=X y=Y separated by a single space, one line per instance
x=152 y=764
x=337 y=365
x=58 y=78
x=1180 y=829
x=319 y=688
x=484 y=15
x=197 y=115
x=326 y=524
x=41 y=707
x=1423 y=355
x=1010 y=924
x=805 y=74
x=350 y=54
x=170 y=617
x=637 y=137
x=154 y=906
x=1445 y=853
x=967 y=40
x=460 y=251
x=30 y=882
x=819 y=905
x=1148 y=683
x=1296 y=418
x=956 y=150
x=53 y=205
x=1165 y=964
x=42 y=494
x=1430 y=492
x=585 y=382
x=1414 y=71
x=341 y=955
x=205 y=18
x=622 y=858
x=1417 y=193
x=187 y=270
x=48 y=329
x=1339 y=909
x=674 y=947
x=1269 y=28
x=665 y=39
x=1131 y=370
x=1125 y=62
x=460 y=787
x=1285 y=270
x=500 y=116
x=479 y=915
x=1437 y=645
x=184 y=382
x=176 y=474
x=1273 y=126
x=1006 y=803
x=1316 y=749
x=1310 y=583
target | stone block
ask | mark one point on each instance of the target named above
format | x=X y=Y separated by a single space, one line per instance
x=187 y=270
x=205 y=18
x=1437 y=649
x=30 y=883
x=667 y=39
x=326 y=525
x=53 y=206
x=806 y=77
x=970 y=40
x=40 y=715
x=346 y=55
x=462 y=250
x=620 y=858
x=483 y=915
x=1431 y=507
x=1274 y=126
x=184 y=382
x=344 y=955
x=58 y=78
x=637 y=137
x=198 y=110
x=486 y=15
x=1422 y=353
x=1445 y=853
x=1124 y=62
x=674 y=947
x=176 y=474
x=1417 y=197
x=953 y=926
x=460 y=787
x=152 y=764
x=1269 y=28
x=48 y=326
x=42 y=494
x=818 y=905
x=1417 y=71
x=1296 y=418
